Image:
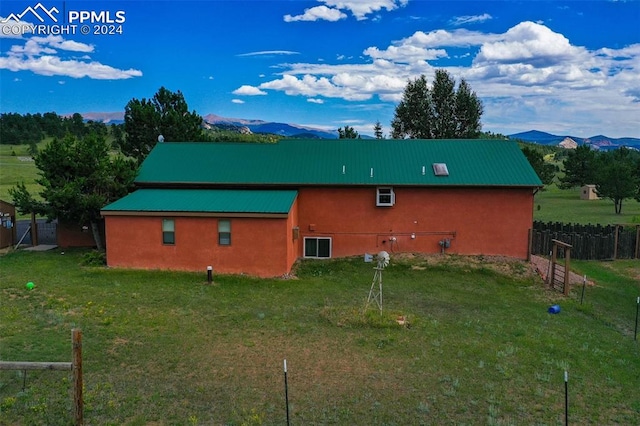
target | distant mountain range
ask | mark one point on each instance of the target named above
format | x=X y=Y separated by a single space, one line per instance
x=243 y=125
x=597 y=142
x=282 y=129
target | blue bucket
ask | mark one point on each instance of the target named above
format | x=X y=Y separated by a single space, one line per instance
x=555 y=309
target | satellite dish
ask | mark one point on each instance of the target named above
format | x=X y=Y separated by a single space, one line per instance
x=160 y=138
x=383 y=259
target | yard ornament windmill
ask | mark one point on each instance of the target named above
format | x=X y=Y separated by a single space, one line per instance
x=375 y=293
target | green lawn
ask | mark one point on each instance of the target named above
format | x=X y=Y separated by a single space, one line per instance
x=17 y=168
x=167 y=349
x=556 y=205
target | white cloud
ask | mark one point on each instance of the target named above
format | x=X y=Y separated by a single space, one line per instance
x=41 y=55
x=470 y=19
x=529 y=42
x=57 y=42
x=528 y=71
x=315 y=101
x=332 y=10
x=247 y=90
x=13 y=29
x=237 y=101
x=52 y=65
x=317 y=13
x=360 y=9
x=270 y=52
x=406 y=53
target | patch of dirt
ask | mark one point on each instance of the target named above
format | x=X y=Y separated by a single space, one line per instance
x=504 y=265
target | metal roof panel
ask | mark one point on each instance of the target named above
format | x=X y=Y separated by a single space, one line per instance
x=339 y=162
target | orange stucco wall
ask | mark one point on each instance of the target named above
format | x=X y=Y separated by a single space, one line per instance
x=259 y=246
x=476 y=220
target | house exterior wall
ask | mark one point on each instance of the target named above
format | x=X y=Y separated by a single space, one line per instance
x=490 y=221
x=259 y=246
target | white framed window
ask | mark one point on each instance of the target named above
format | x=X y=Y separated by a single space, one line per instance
x=224 y=232
x=168 y=231
x=385 y=196
x=317 y=247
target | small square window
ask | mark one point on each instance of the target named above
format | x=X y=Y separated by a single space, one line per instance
x=168 y=231
x=317 y=247
x=224 y=232
x=385 y=196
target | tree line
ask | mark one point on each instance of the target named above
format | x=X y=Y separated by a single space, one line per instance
x=17 y=129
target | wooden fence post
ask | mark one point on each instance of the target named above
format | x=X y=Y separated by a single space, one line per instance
x=78 y=405
x=567 y=269
x=75 y=366
x=552 y=273
x=34 y=230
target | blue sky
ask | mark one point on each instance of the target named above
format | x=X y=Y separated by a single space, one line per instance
x=565 y=67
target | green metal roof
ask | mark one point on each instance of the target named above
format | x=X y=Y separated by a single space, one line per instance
x=205 y=201
x=339 y=162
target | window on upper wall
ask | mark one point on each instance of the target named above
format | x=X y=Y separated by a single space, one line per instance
x=224 y=232
x=385 y=196
x=168 y=231
x=317 y=247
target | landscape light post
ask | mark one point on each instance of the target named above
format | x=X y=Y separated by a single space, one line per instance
x=286 y=390
x=566 y=398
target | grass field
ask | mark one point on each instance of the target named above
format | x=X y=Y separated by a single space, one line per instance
x=557 y=205
x=167 y=349
x=17 y=168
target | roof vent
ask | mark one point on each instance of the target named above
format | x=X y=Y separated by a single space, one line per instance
x=440 y=169
x=424 y=171
x=371 y=175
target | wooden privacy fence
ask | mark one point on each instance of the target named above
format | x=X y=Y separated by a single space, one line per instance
x=589 y=242
x=75 y=366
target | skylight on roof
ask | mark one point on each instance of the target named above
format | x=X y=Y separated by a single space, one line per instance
x=440 y=169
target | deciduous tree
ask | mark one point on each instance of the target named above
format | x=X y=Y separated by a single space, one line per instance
x=616 y=176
